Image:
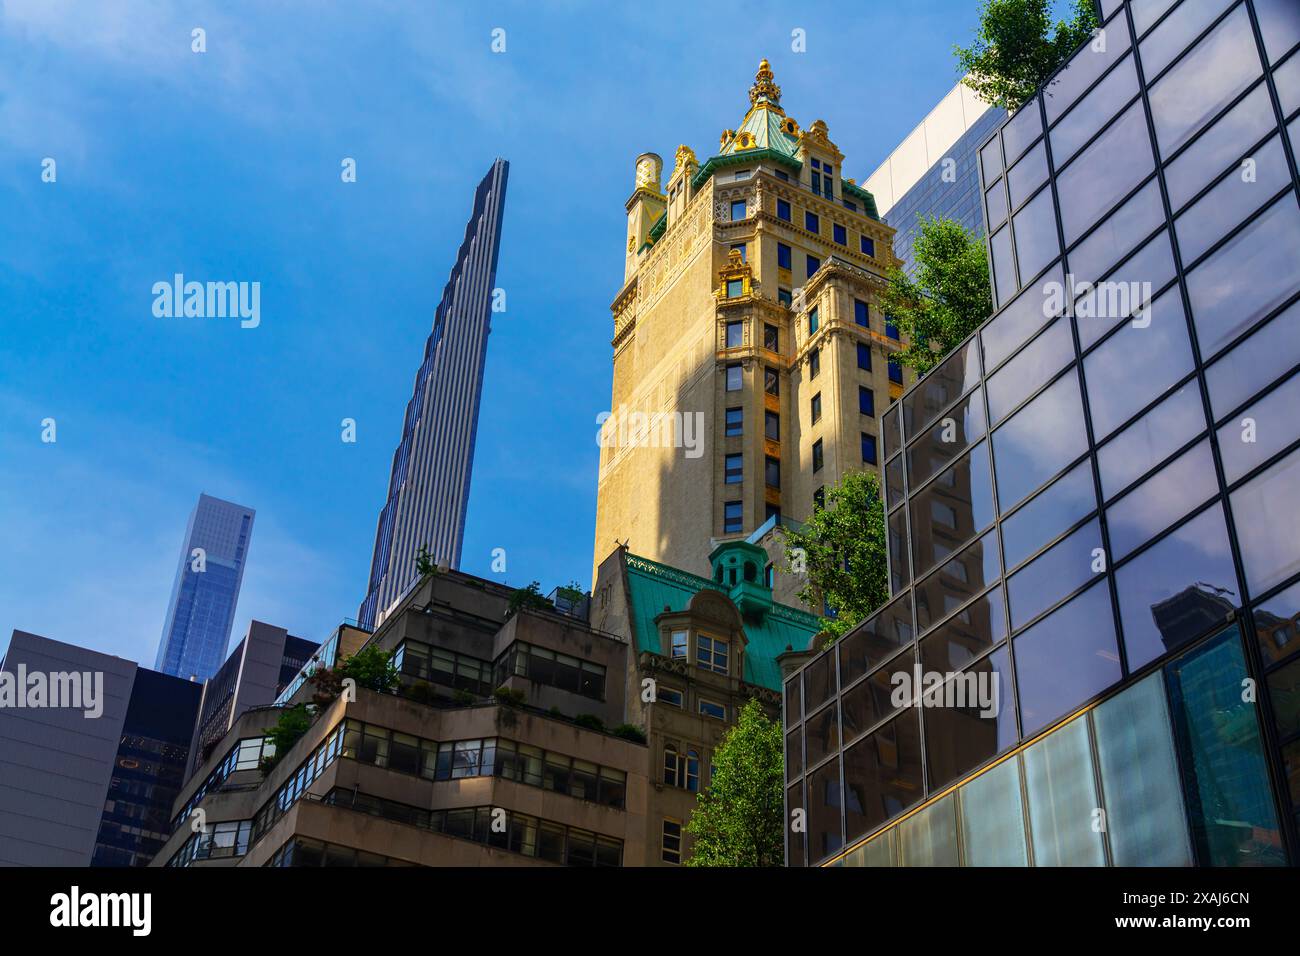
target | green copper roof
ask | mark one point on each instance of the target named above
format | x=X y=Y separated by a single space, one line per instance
x=655 y=586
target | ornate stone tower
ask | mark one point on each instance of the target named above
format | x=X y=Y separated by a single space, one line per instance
x=750 y=352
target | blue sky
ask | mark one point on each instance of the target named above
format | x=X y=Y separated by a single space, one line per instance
x=225 y=166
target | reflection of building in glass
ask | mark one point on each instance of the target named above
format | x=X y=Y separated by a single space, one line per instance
x=1107 y=542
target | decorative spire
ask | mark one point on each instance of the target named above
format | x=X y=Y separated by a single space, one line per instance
x=764 y=87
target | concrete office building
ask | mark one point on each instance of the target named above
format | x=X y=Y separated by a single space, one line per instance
x=935 y=170
x=428 y=485
x=205 y=591
x=80 y=789
x=1110 y=533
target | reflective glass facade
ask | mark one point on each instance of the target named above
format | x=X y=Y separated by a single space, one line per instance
x=1093 y=505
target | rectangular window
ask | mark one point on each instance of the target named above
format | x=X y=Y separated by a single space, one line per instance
x=772 y=425
x=817 y=408
x=735 y=422
x=864 y=356
x=772 y=472
x=734 y=469
x=735 y=287
x=783 y=210
x=733 y=378
x=810 y=221
x=819 y=497
x=771 y=511
x=895 y=372
x=861 y=314
x=732 y=520
x=867 y=245
x=743 y=250
x=771 y=380
x=868 y=448
x=782 y=175
x=710 y=709
x=784 y=297
x=814 y=363
x=813 y=265
x=812 y=321
x=866 y=401
x=735 y=334
x=678 y=645
x=850 y=205
x=737 y=210
x=671 y=842
x=839 y=233
x=669 y=696
x=771 y=338
x=711 y=654
x=783 y=256
x=817 y=455
x=891 y=328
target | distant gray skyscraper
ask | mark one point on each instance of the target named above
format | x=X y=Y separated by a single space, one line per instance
x=206 y=589
x=428 y=487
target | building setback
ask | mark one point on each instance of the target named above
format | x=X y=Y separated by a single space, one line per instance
x=751 y=356
x=428 y=485
x=78 y=789
x=205 y=590
x=1108 y=534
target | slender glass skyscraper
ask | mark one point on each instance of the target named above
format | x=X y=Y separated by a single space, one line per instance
x=428 y=488
x=206 y=589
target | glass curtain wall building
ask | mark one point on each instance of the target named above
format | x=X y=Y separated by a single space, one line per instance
x=1089 y=656
x=428 y=486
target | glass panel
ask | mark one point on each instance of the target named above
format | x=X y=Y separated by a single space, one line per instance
x=1175 y=32
x=1147 y=12
x=996 y=203
x=1231 y=201
x=1042 y=519
x=1177 y=590
x=1284 y=692
x=1105 y=171
x=1139 y=777
x=1034 y=308
x=1279 y=22
x=1266 y=511
x=869 y=702
x=1031 y=367
x=793 y=700
x=1254 y=273
x=894 y=481
x=1065 y=659
x=970 y=719
x=822 y=733
x=1004 y=268
x=957 y=581
x=1128 y=287
x=889 y=430
x=952 y=509
x=1063 y=800
x=992 y=818
x=1027 y=175
x=1221 y=144
x=882 y=850
x=1260 y=431
x=1081 y=70
x=1277 y=625
x=946 y=438
x=1039 y=440
x=1162 y=499
x=1105 y=100
x=1021 y=130
x=794 y=762
x=900 y=566
x=867 y=645
x=1068 y=565
x=1234 y=822
x=1204 y=81
x=991 y=158
x=1037 y=243
x=882 y=774
x=929 y=838
x=1259 y=359
x=1151 y=439
x=965 y=635
x=818 y=681
x=1144 y=358
x=795 y=850
x=1118 y=235
x=824 y=799
x=956 y=375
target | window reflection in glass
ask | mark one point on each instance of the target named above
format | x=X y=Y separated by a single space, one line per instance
x=1231 y=201
x=1277 y=625
x=1101 y=103
x=824 y=803
x=880 y=637
x=952 y=509
x=1128 y=225
x=1260 y=431
x=1039 y=440
x=869 y=702
x=1032 y=310
x=1219 y=147
x=965 y=635
x=1261 y=358
x=1151 y=507
x=960 y=425
x=1064 y=503
x=1066 y=566
x=1036 y=239
x=1266 y=511
x=1099 y=308
x=1032 y=366
x=1104 y=172
x=957 y=580
x=882 y=774
x=1151 y=439
x=960 y=738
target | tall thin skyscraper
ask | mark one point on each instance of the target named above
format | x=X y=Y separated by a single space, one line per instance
x=428 y=488
x=206 y=589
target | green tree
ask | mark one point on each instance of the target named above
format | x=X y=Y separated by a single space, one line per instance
x=841 y=549
x=739 y=819
x=292 y=724
x=1017 y=47
x=529 y=596
x=371 y=667
x=425 y=565
x=946 y=301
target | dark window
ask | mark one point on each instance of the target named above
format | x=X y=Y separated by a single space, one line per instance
x=866 y=401
x=817 y=455
x=737 y=209
x=840 y=234
x=735 y=334
x=813 y=265
x=771 y=380
x=734 y=472
x=814 y=363
x=891 y=328
x=771 y=338
x=812 y=321
x=867 y=245
x=784 y=297
x=868 y=448
x=735 y=422
x=783 y=256
x=882 y=778
x=742 y=249
x=733 y=378
x=783 y=210
x=772 y=425
x=819 y=497
x=772 y=473
x=732 y=519
x=816 y=408
x=861 y=314
x=864 y=356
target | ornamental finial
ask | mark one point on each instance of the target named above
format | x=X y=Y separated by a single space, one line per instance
x=764 y=86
